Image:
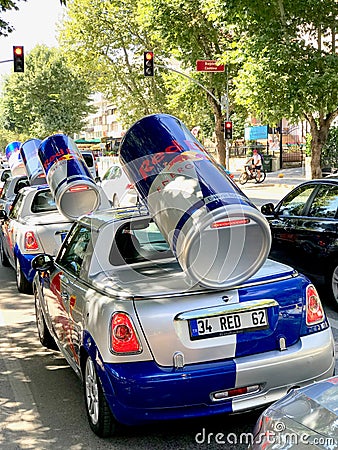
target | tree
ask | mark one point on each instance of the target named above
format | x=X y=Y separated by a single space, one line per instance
x=48 y=98
x=289 y=62
x=108 y=49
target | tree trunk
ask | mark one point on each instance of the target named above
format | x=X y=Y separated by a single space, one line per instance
x=219 y=123
x=319 y=134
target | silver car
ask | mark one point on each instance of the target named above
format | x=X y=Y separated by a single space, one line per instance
x=151 y=346
x=32 y=226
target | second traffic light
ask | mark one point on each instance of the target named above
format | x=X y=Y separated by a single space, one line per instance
x=228 y=129
x=148 y=64
x=18 y=58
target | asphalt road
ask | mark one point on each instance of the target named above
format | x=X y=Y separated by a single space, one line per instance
x=41 y=400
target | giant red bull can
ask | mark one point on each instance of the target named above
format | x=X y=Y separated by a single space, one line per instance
x=14 y=159
x=218 y=236
x=68 y=176
x=31 y=161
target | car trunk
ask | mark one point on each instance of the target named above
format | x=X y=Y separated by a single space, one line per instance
x=200 y=325
x=51 y=229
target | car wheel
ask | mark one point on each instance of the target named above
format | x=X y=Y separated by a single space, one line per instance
x=99 y=415
x=45 y=337
x=243 y=178
x=333 y=285
x=23 y=284
x=4 y=260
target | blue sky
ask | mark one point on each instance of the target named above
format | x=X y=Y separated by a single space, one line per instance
x=34 y=23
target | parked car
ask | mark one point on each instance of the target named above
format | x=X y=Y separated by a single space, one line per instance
x=90 y=161
x=33 y=225
x=4 y=174
x=304 y=418
x=10 y=188
x=304 y=231
x=118 y=188
x=150 y=346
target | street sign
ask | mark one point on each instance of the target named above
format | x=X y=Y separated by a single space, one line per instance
x=208 y=65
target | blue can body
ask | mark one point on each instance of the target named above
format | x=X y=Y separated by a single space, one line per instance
x=68 y=176
x=217 y=234
x=12 y=148
x=29 y=155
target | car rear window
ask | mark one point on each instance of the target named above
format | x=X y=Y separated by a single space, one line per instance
x=43 y=201
x=137 y=242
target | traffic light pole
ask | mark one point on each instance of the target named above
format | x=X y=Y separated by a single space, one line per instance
x=6 y=60
x=191 y=79
x=227 y=152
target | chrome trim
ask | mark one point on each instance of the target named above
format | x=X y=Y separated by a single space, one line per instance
x=227 y=309
x=203 y=291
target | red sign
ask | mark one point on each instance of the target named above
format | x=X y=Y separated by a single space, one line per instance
x=208 y=65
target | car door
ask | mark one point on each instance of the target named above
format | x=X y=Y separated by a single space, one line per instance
x=10 y=228
x=317 y=230
x=71 y=297
x=285 y=225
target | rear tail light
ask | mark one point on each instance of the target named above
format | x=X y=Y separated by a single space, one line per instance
x=123 y=335
x=0 y=191
x=129 y=186
x=314 y=309
x=31 y=242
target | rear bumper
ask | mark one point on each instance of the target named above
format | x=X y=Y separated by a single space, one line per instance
x=143 y=392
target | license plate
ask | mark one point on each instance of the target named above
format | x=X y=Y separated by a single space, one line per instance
x=239 y=322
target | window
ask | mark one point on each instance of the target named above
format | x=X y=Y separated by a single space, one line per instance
x=294 y=204
x=325 y=203
x=138 y=241
x=43 y=201
x=74 y=250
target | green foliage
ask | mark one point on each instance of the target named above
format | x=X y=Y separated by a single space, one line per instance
x=48 y=97
x=330 y=151
x=6 y=5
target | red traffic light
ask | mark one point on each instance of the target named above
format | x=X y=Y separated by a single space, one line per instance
x=148 y=64
x=228 y=129
x=18 y=58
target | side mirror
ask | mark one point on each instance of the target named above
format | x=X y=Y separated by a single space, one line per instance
x=3 y=215
x=42 y=262
x=268 y=209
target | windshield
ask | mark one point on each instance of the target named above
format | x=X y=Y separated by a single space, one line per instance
x=43 y=201
x=139 y=244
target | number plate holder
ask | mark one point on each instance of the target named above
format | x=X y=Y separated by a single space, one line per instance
x=231 y=323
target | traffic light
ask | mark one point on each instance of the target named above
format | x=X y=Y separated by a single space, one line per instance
x=18 y=58
x=148 y=64
x=228 y=130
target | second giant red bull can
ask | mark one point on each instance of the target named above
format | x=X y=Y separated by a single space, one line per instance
x=32 y=163
x=68 y=176
x=218 y=236
x=14 y=159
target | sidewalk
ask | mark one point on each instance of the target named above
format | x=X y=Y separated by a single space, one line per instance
x=280 y=178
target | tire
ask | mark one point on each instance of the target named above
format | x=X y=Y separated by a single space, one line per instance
x=262 y=178
x=22 y=283
x=45 y=337
x=243 y=178
x=100 y=418
x=3 y=257
x=332 y=284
